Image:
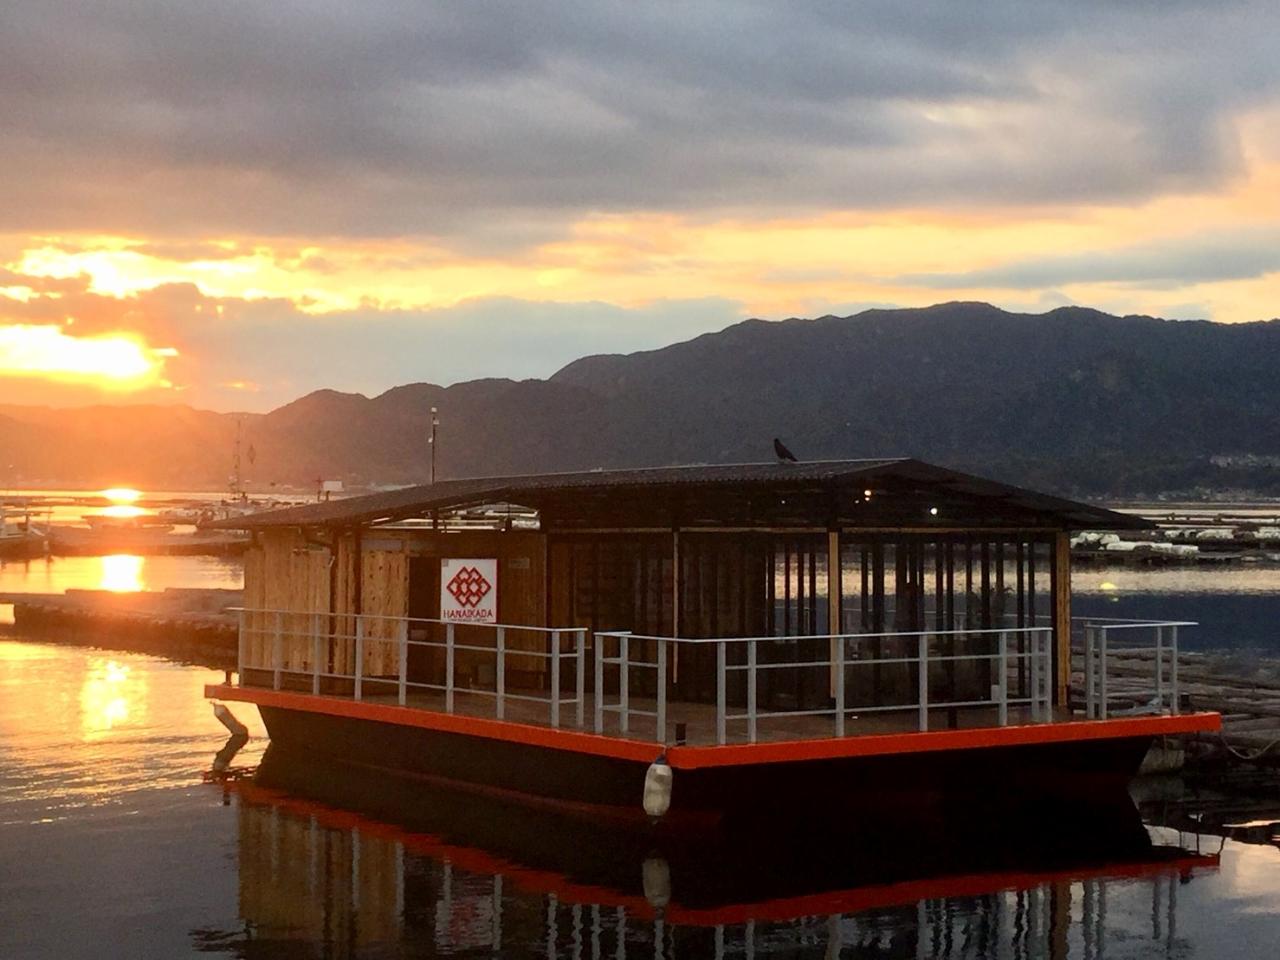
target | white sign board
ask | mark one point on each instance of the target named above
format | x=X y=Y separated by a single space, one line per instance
x=469 y=590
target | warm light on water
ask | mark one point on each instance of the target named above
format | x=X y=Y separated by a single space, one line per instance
x=110 y=691
x=112 y=846
x=122 y=511
x=122 y=573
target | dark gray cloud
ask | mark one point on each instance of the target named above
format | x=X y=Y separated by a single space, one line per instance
x=1162 y=265
x=495 y=123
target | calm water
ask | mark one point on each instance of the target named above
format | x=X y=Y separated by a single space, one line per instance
x=120 y=572
x=111 y=845
x=1237 y=607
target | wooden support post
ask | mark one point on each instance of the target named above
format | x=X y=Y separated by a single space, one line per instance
x=1062 y=616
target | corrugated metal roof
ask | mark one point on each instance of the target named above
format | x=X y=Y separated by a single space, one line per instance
x=531 y=490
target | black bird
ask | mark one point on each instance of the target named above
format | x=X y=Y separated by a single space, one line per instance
x=782 y=453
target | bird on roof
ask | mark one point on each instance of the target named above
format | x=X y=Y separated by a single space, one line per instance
x=782 y=453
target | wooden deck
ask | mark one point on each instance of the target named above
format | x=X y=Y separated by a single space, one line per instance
x=697 y=719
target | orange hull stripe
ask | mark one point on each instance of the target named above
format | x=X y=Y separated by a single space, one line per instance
x=533 y=736
x=876 y=745
x=746 y=754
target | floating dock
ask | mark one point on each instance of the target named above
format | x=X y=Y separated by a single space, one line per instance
x=701 y=642
x=192 y=625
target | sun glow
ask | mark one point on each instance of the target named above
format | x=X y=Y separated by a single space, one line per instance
x=116 y=361
x=122 y=494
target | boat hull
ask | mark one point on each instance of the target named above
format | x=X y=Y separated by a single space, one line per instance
x=988 y=778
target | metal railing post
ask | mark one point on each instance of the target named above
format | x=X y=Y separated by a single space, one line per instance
x=924 y=681
x=404 y=662
x=1173 y=670
x=316 y=653
x=1102 y=674
x=1090 y=711
x=624 y=683
x=720 y=692
x=840 y=642
x=276 y=653
x=1003 y=709
x=555 y=678
x=1046 y=677
x=751 y=691
x=500 y=674
x=581 y=679
x=599 y=692
x=661 y=729
x=448 y=668
x=1036 y=666
x=1159 y=667
x=359 y=664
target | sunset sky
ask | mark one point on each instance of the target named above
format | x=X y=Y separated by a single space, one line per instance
x=227 y=204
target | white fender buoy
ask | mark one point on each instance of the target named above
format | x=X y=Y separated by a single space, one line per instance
x=657 y=788
x=228 y=720
x=655 y=875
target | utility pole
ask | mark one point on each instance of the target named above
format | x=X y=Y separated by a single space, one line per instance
x=237 y=486
x=435 y=422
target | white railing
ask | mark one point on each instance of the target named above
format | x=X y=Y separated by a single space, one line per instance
x=999 y=653
x=369 y=656
x=1129 y=666
x=732 y=690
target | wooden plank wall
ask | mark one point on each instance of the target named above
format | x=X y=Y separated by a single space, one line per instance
x=343 y=626
x=285 y=572
x=384 y=593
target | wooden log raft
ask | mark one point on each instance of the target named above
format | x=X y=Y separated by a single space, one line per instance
x=1249 y=704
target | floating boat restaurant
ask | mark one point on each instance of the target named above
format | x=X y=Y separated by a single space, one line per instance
x=689 y=643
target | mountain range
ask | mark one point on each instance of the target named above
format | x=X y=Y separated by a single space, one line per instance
x=1073 y=400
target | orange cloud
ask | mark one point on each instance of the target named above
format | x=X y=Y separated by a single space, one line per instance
x=117 y=361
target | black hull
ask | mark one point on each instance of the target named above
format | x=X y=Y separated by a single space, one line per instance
x=988 y=781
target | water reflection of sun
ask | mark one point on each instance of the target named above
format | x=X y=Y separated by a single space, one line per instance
x=109 y=695
x=125 y=511
x=121 y=573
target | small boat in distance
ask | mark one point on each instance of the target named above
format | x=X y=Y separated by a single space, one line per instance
x=20 y=538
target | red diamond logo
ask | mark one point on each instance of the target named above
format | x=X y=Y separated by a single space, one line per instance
x=468 y=587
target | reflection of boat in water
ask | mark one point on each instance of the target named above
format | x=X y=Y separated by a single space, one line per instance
x=389 y=862
x=20 y=538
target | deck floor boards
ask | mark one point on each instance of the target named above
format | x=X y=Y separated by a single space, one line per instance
x=699 y=719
